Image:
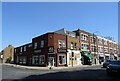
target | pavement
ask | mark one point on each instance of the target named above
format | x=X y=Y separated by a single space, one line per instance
x=46 y=68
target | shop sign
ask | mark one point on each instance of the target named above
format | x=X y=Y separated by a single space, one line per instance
x=61 y=50
x=37 y=51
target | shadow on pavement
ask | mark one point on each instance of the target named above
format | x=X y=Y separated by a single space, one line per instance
x=77 y=75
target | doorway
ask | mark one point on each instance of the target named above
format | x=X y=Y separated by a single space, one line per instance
x=51 y=61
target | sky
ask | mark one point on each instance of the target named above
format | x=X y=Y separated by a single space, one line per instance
x=23 y=21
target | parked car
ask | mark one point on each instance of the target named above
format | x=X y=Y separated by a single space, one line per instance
x=114 y=67
x=106 y=63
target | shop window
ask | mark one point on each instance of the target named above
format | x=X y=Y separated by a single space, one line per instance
x=20 y=60
x=62 y=59
x=24 y=60
x=42 y=59
x=35 y=60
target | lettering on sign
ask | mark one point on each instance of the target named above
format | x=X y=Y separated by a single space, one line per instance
x=37 y=51
x=61 y=50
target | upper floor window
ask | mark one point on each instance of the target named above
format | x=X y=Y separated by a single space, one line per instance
x=85 y=46
x=100 y=49
x=24 y=48
x=15 y=50
x=93 y=48
x=84 y=37
x=35 y=45
x=61 y=43
x=105 y=42
x=106 y=50
x=93 y=39
x=73 y=45
x=42 y=43
x=99 y=41
x=111 y=51
x=21 y=49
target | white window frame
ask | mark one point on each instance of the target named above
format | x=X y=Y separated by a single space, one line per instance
x=61 y=43
x=72 y=46
x=24 y=48
x=99 y=41
x=35 y=58
x=105 y=42
x=85 y=46
x=20 y=49
x=24 y=60
x=62 y=59
x=35 y=45
x=42 y=61
x=42 y=43
x=15 y=50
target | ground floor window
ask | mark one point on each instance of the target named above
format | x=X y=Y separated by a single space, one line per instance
x=62 y=59
x=101 y=59
x=35 y=60
x=42 y=59
x=115 y=57
x=20 y=60
x=107 y=58
x=24 y=60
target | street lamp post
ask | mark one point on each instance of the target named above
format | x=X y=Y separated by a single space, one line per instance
x=94 y=44
x=72 y=56
x=94 y=40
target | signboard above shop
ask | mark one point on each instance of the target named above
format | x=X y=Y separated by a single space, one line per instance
x=37 y=51
x=60 y=50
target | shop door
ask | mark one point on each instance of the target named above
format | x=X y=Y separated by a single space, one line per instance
x=51 y=61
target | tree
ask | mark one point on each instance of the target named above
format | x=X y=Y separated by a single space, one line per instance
x=8 y=60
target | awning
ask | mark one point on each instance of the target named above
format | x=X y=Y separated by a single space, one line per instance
x=87 y=55
x=101 y=55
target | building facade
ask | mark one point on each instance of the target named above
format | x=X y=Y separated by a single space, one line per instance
x=73 y=47
x=46 y=50
x=7 y=54
x=66 y=48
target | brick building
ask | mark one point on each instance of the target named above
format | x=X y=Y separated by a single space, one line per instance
x=45 y=50
x=66 y=48
x=73 y=47
x=7 y=53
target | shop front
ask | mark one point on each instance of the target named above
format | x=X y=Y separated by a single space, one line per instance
x=107 y=57
x=38 y=58
x=101 y=58
x=87 y=58
x=51 y=57
x=62 y=57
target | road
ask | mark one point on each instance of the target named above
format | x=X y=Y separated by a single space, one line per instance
x=90 y=73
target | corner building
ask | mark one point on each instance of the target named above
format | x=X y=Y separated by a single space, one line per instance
x=46 y=50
